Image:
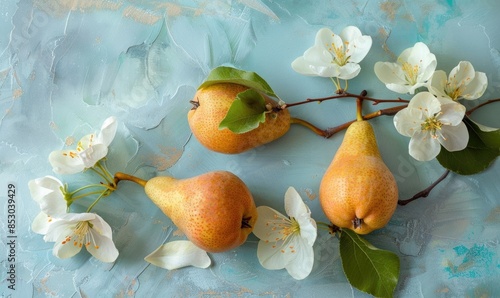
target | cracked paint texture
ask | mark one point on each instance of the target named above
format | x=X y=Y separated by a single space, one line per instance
x=65 y=66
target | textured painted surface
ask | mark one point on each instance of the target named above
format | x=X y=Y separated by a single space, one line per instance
x=67 y=65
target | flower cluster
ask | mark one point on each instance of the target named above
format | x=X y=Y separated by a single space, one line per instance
x=72 y=231
x=432 y=118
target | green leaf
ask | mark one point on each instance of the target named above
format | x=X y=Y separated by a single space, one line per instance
x=246 y=113
x=482 y=149
x=368 y=268
x=225 y=74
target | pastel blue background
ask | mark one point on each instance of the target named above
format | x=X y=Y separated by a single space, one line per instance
x=65 y=66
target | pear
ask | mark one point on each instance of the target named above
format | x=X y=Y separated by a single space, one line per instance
x=211 y=105
x=358 y=191
x=215 y=210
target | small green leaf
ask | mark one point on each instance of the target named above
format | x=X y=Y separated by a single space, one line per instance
x=483 y=148
x=246 y=113
x=367 y=268
x=225 y=74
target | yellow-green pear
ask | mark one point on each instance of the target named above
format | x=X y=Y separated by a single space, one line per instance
x=215 y=210
x=211 y=105
x=358 y=191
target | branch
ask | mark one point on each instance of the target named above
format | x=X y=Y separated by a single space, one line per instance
x=481 y=105
x=343 y=94
x=424 y=193
x=329 y=132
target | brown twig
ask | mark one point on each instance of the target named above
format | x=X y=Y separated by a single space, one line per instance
x=344 y=94
x=481 y=105
x=424 y=193
x=329 y=132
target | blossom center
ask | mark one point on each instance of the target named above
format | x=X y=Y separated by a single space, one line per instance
x=81 y=235
x=339 y=55
x=454 y=91
x=433 y=125
x=411 y=72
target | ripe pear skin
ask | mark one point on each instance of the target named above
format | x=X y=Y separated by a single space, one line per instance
x=358 y=191
x=215 y=210
x=211 y=106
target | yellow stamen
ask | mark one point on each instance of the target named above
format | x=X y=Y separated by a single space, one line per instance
x=411 y=72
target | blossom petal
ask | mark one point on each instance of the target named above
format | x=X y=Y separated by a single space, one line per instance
x=103 y=247
x=437 y=84
x=269 y=224
x=454 y=138
x=452 y=113
x=359 y=45
x=408 y=121
x=41 y=223
x=108 y=131
x=476 y=87
x=426 y=102
x=316 y=61
x=302 y=269
x=47 y=192
x=423 y=146
x=58 y=233
x=178 y=254
x=93 y=154
x=277 y=255
x=294 y=205
x=66 y=162
x=349 y=71
x=296 y=208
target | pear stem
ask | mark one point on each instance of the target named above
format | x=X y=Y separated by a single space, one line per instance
x=122 y=176
x=359 y=106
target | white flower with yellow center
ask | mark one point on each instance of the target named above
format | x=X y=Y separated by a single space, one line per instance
x=49 y=193
x=286 y=241
x=89 y=150
x=73 y=231
x=334 y=56
x=412 y=70
x=430 y=123
x=462 y=83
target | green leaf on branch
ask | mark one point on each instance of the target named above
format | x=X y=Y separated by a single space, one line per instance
x=367 y=268
x=246 y=113
x=483 y=148
x=225 y=74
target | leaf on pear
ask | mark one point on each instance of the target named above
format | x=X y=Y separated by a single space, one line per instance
x=367 y=268
x=482 y=149
x=225 y=74
x=246 y=113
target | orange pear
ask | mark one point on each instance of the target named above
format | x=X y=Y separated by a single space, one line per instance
x=358 y=191
x=215 y=210
x=211 y=105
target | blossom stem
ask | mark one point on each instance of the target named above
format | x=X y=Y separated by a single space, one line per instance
x=122 y=176
x=96 y=201
x=87 y=187
x=424 y=193
x=89 y=194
